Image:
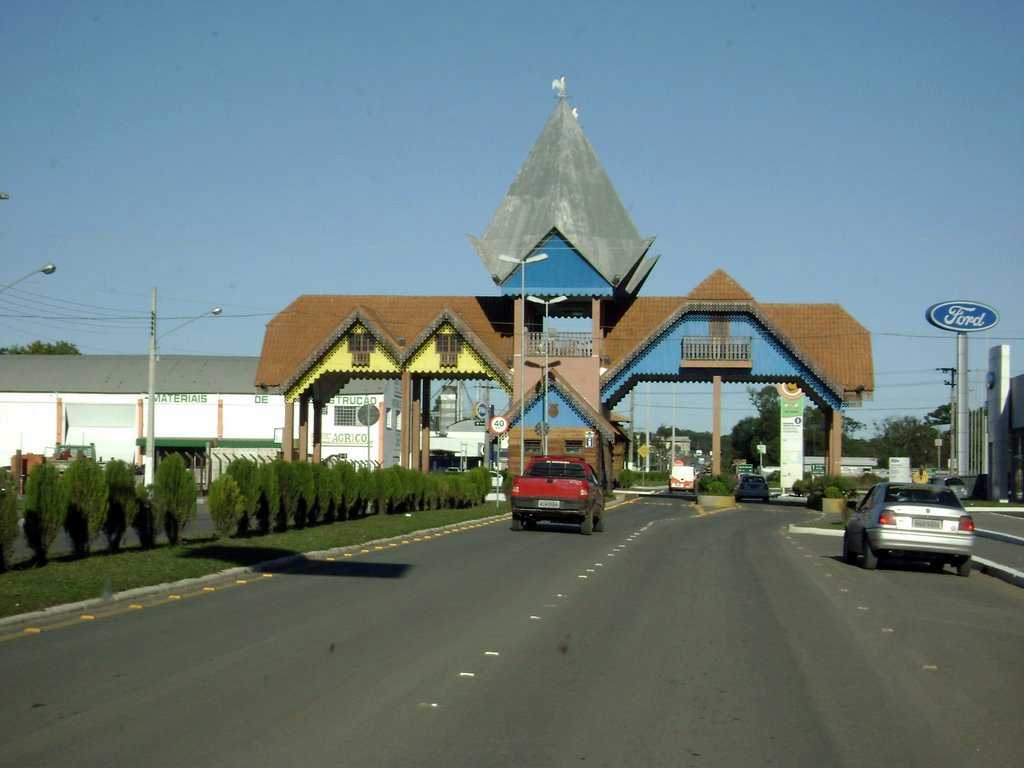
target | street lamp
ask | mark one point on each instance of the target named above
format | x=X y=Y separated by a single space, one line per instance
x=46 y=269
x=151 y=406
x=544 y=417
x=522 y=363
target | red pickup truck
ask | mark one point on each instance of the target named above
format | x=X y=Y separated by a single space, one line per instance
x=561 y=489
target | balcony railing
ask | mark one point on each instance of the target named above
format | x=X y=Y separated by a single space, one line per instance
x=733 y=351
x=560 y=344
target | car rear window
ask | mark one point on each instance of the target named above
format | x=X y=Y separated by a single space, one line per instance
x=938 y=496
x=557 y=469
x=754 y=480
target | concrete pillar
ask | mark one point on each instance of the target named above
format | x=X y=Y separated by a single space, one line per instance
x=517 y=354
x=716 y=425
x=997 y=446
x=304 y=427
x=287 y=439
x=411 y=425
x=834 y=437
x=140 y=431
x=318 y=420
x=405 y=444
x=60 y=422
x=424 y=425
x=220 y=417
x=596 y=331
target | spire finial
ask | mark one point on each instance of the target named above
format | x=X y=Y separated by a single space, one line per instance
x=558 y=86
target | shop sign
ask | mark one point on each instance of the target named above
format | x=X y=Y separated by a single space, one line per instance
x=962 y=316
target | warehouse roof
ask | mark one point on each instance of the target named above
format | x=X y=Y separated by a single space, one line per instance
x=121 y=374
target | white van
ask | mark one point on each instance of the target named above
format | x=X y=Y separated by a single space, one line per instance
x=682 y=477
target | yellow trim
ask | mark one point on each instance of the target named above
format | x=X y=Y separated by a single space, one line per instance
x=427 y=360
x=339 y=360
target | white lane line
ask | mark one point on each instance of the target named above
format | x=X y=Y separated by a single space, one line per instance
x=550 y=605
x=491 y=653
x=428 y=704
x=535 y=618
x=930 y=668
x=888 y=629
x=862 y=608
x=843 y=589
x=467 y=674
x=559 y=595
x=583 y=576
x=591 y=570
x=599 y=565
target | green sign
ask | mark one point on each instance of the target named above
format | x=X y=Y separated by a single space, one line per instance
x=180 y=397
x=744 y=469
x=817 y=469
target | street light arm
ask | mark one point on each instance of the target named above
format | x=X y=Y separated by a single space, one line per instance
x=46 y=269
x=214 y=312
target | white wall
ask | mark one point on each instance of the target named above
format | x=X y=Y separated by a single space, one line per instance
x=28 y=422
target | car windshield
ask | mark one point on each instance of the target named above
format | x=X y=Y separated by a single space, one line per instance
x=907 y=495
x=556 y=469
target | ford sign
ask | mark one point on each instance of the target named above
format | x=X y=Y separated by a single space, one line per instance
x=962 y=316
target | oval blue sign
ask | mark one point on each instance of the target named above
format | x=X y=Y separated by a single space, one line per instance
x=962 y=316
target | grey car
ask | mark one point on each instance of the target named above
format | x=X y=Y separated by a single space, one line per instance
x=752 y=487
x=913 y=522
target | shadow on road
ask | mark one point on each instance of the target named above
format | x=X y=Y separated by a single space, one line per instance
x=301 y=566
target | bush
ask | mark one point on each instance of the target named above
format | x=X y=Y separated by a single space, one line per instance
x=86 y=492
x=821 y=487
x=8 y=517
x=288 y=493
x=121 y=502
x=305 y=493
x=716 y=485
x=144 y=521
x=246 y=474
x=270 y=496
x=45 y=505
x=227 y=505
x=832 y=492
x=328 y=493
x=174 y=497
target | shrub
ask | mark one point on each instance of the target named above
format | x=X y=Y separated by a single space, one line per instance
x=364 y=487
x=144 y=521
x=288 y=493
x=800 y=487
x=348 y=492
x=121 y=502
x=246 y=474
x=305 y=493
x=227 y=505
x=45 y=505
x=270 y=496
x=174 y=497
x=328 y=492
x=86 y=492
x=716 y=485
x=832 y=492
x=8 y=517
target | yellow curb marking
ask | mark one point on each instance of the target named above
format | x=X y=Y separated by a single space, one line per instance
x=209 y=589
x=135 y=606
x=174 y=597
x=348 y=554
x=241 y=581
x=32 y=630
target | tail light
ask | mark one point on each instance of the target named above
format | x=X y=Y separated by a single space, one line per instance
x=515 y=487
x=887 y=517
x=584 y=492
x=966 y=524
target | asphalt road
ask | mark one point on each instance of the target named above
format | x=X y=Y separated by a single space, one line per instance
x=669 y=640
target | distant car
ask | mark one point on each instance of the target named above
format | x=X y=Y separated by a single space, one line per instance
x=952 y=482
x=753 y=487
x=681 y=478
x=914 y=522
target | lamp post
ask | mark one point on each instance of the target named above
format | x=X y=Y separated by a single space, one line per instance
x=548 y=303
x=150 y=466
x=522 y=363
x=46 y=269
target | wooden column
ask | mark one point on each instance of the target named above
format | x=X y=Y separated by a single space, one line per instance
x=411 y=425
x=596 y=331
x=60 y=421
x=405 y=444
x=303 y=453
x=287 y=439
x=318 y=420
x=834 y=435
x=424 y=425
x=716 y=425
x=220 y=417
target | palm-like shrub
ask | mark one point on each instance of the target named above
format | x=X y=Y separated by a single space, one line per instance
x=247 y=475
x=227 y=505
x=121 y=502
x=45 y=505
x=174 y=497
x=270 y=497
x=288 y=490
x=144 y=520
x=305 y=493
x=86 y=491
x=8 y=517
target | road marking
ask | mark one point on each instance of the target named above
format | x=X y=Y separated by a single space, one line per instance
x=535 y=618
x=591 y=570
x=209 y=589
x=330 y=559
x=135 y=606
x=364 y=551
x=378 y=549
x=599 y=565
x=550 y=605
x=428 y=704
x=491 y=653
x=174 y=597
x=241 y=581
x=930 y=668
x=843 y=589
x=268 y=575
x=559 y=595
x=347 y=554
x=467 y=674
x=583 y=576
x=392 y=544
x=888 y=629
x=405 y=541
x=87 y=617
x=418 y=538
x=862 y=608
x=32 y=630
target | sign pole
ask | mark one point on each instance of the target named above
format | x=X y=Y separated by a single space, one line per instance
x=963 y=437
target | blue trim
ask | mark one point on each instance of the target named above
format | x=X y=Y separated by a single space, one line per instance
x=770 y=358
x=563 y=272
x=568 y=414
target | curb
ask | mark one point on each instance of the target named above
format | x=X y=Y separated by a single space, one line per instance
x=813 y=531
x=153 y=589
x=1007 y=538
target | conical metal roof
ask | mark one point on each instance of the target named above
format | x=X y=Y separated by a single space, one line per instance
x=563 y=186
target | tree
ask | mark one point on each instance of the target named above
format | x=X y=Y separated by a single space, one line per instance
x=938 y=417
x=86 y=490
x=121 y=502
x=227 y=505
x=8 y=517
x=42 y=348
x=247 y=474
x=906 y=436
x=174 y=496
x=45 y=504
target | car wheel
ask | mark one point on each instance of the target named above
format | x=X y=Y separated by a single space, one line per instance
x=849 y=556
x=587 y=526
x=963 y=567
x=870 y=558
x=517 y=524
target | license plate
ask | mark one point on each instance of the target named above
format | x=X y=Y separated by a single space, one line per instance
x=549 y=503
x=926 y=523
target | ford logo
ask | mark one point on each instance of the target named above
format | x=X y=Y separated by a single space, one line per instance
x=962 y=316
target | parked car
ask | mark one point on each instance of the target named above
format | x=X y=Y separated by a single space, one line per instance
x=562 y=489
x=952 y=482
x=752 y=487
x=914 y=522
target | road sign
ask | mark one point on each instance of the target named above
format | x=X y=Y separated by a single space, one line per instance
x=817 y=469
x=744 y=469
x=642 y=451
x=962 y=316
x=588 y=439
x=480 y=410
x=762 y=448
x=542 y=428
x=498 y=425
x=368 y=415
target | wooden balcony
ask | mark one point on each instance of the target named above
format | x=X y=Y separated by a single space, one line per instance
x=560 y=344
x=716 y=352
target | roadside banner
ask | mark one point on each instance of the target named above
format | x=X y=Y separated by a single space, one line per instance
x=791 y=440
x=899 y=469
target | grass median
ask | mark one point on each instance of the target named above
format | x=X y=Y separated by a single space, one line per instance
x=69 y=579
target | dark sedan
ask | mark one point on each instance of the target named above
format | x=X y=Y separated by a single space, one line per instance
x=752 y=487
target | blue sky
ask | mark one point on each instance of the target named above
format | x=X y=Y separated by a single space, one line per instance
x=243 y=153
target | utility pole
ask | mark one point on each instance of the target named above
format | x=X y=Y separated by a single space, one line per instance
x=632 y=427
x=951 y=383
x=647 y=427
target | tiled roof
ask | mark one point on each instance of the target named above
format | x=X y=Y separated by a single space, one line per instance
x=302 y=328
x=719 y=286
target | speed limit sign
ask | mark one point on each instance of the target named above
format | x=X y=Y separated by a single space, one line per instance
x=498 y=425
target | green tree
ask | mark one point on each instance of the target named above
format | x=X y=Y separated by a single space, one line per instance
x=42 y=348
x=86 y=490
x=906 y=436
x=227 y=505
x=270 y=496
x=121 y=502
x=288 y=490
x=938 y=417
x=45 y=505
x=305 y=493
x=247 y=475
x=144 y=520
x=174 y=496
x=8 y=517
